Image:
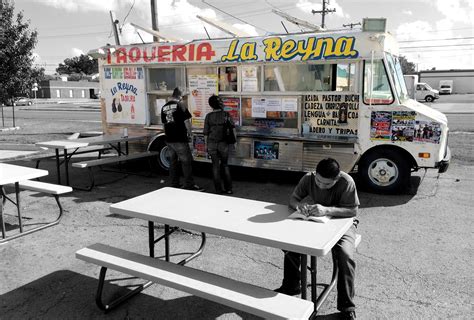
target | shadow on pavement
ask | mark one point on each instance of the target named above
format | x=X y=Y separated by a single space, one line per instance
x=69 y=295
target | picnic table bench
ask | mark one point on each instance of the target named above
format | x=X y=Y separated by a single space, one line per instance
x=239 y=295
x=110 y=160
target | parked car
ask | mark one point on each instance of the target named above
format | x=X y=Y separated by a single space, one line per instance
x=20 y=101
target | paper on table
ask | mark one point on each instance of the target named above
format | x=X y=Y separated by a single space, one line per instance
x=301 y=216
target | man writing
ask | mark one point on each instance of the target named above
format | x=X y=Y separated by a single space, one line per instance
x=333 y=193
x=176 y=120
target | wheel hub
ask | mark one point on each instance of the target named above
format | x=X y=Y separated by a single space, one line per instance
x=383 y=172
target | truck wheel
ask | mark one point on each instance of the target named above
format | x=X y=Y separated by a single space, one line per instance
x=429 y=99
x=384 y=171
x=163 y=159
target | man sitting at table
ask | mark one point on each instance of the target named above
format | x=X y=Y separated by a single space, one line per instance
x=176 y=120
x=333 y=193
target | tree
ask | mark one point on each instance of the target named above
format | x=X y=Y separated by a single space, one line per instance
x=16 y=55
x=407 y=66
x=82 y=65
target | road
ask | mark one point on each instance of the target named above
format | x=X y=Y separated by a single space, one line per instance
x=415 y=260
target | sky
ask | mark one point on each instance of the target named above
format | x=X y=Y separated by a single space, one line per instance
x=431 y=33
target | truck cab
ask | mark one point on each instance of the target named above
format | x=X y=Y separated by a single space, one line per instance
x=425 y=92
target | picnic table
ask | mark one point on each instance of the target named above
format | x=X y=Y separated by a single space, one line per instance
x=247 y=220
x=20 y=176
x=78 y=146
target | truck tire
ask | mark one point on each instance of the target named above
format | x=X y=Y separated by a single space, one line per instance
x=163 y=160
x=429 y=98
x=384 y=171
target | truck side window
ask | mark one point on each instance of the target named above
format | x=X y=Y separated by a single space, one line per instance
x=298 y=77
x=345 y=77
x=376 y=86
x=228 y=79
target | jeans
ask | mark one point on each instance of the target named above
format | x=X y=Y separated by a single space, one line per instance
x=219 y=152
x=343 y=252
x=179 y=151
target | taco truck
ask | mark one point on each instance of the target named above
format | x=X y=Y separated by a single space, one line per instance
x=295 y=99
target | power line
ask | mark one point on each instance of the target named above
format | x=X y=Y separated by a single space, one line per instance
x=445 y=39
x=235 y=17
x=440 y=46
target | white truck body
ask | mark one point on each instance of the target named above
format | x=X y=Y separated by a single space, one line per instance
x=445 y=86
x=295 y=99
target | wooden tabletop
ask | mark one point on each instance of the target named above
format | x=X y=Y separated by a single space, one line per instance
x=253 y=221
x=10 y=173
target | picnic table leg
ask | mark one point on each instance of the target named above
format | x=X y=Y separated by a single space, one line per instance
x=58 y=170
x=17 y=192
x=314 y=293
x=167 y=243
x=151 y=238
x=66 y=165
x=304 y=275
x=2 y=204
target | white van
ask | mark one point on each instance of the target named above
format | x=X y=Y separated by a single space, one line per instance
x=425 y=93
x=299 y=97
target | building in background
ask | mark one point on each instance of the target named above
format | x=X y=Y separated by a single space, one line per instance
x=58 y=89
x=463 y=80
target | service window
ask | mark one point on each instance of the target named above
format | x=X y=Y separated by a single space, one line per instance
x=228 y=79
x=298 y=77
x=250 y=78
x=345 y=76
x=376 y=86
x=270 y=113
x=166 y=79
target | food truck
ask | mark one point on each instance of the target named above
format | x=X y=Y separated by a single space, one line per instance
x=295 y=99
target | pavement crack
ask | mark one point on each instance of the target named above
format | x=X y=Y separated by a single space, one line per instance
x=262 y=261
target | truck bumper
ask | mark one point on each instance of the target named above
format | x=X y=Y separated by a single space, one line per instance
x=444 y=164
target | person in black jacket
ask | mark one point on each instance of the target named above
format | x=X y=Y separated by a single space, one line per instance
x=176 y=120
x=217 y=147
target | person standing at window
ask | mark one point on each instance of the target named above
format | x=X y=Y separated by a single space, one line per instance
x=176 y=119
x=217 y=147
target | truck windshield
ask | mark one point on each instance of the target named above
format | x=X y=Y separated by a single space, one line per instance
x=397 y=76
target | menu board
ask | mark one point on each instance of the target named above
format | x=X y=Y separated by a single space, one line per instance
x=201 y=88
x=331 y=116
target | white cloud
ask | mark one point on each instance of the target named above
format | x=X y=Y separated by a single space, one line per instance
x=246 y=28
x=414 y=30
x=457 y=10
x=76 y=52
x=81 y=5
x=408 y=12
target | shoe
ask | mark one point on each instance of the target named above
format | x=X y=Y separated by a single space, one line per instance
x=289 y=291
x=194 y=188
x=228 y=192
x=348 y=315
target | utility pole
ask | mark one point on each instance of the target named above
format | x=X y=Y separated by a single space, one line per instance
x=351 y=25
x=323 y=12
x=115 y=22
x=154 y=19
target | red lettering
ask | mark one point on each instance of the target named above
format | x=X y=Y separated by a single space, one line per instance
x=121 y=55
x=191 y=52
x=163 y=53
x=204 y=51
x=134 y=55
x=178 y=53
x=153 y=54
x=109 y=57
